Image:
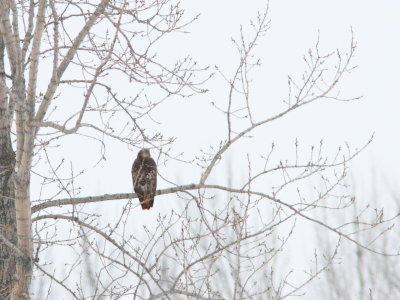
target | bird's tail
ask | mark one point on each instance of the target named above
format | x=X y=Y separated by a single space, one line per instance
x=147 y=201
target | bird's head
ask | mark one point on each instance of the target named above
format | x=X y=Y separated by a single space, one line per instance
x=144 y=153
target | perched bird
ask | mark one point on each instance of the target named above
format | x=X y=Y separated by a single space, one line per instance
x=144 y=176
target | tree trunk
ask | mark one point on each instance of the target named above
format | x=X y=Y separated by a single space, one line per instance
x=24 y=232
x=8 y=230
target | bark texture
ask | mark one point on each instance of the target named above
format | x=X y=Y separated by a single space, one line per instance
x=8 y=230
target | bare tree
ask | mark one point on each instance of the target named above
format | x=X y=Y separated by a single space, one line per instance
x=212 y=248
x=40 y=32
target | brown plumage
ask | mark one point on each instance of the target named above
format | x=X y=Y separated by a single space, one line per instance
x=144 y=177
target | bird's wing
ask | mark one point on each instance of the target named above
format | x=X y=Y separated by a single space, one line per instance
x=135 y=171
x=152 y=176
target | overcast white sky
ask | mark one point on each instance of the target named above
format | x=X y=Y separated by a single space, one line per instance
x=294 y=29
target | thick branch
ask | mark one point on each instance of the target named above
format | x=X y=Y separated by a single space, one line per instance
x=108 y=197
x=34 y=59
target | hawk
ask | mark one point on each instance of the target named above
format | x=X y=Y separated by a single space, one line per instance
x=144 y=177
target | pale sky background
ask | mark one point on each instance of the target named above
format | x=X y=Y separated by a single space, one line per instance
x=294 y=27
x=293 y=30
